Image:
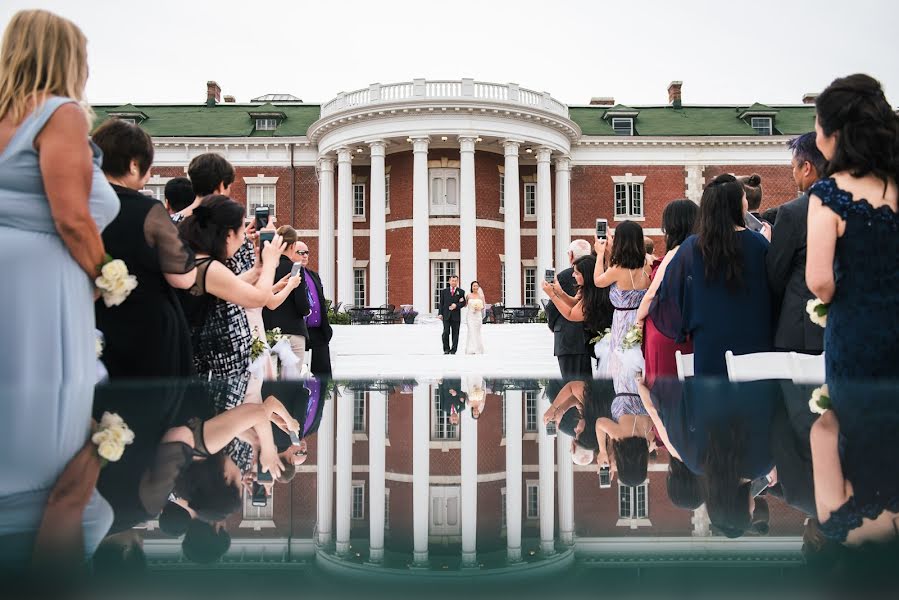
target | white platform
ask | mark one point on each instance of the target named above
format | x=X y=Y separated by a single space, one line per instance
x=369 y=351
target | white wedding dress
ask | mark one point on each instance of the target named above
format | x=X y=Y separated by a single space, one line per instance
x=473 y=320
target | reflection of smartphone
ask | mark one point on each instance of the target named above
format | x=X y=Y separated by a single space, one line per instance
x=261 y=214
x=551 y=428
x=295 y=269
x=294 y=438
x=758 y=485
x=752 y=223
x=602 y=228
x=266 y=236
x=550 y=275
x=259 y=497
x=605 y=476
x=260 y=476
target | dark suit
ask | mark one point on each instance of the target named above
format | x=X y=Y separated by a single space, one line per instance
x=569 y=338
x=791 y=450
x=786 y=276
x=448 y=401
x=290 y=316
x=319 y=337
x=451 y=318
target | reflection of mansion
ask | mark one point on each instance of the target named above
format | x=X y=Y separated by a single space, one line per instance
x=389 y=481
x=395 y=187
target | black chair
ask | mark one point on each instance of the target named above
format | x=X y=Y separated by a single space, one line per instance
x=498 y=313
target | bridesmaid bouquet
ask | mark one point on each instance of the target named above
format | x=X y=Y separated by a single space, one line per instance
x=112 y=437
x=817 y=312
x=820 y=400
x=114 y=282
x=633 y=338
x=257 y=347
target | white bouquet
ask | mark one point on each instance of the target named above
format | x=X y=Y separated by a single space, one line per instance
x=820 y=400
x=111 y=437
x=633 y=338
x=817 y=312
x=114 y=282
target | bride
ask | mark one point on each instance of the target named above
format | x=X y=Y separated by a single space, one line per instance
x=474 y=300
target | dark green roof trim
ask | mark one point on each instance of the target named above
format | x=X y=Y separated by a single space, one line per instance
x=620 y=110
x=267 y=110
x=128 y=111
x=758 y=110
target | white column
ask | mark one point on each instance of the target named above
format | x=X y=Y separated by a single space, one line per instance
x=326 y=225
x=344 y=472
x=344 y=226
x=544 y=214
x=421 y=465
x=377 y=269
x=325 y=474
x=546 y=466
x=377 y=442
x=469 y=489
x=421 y=243
x=467 y=201
x=563 y=211
x=566 y=489
x=513 y=472
x=512 y=245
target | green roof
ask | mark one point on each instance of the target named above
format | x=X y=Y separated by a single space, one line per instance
x=694 y=120
x=221 y=120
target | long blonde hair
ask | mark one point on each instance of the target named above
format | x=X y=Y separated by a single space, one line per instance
x=41 y=54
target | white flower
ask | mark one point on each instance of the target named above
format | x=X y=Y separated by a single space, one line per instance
x=98 y=345
x=110 y=450
x=112 y=437
x=820 y=400
x=114 y=269
x=115 y=283
x=817 y=312
x=111 y=420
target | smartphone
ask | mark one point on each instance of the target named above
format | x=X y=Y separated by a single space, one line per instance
x=259 y=496
x=605 y=476
x=758 y=485
x=551 y=429
x=752 y=222
x=266 y=236
x=261 y=214
x=549 y=275
x=295 y=269
x=294 y=438
x=260 y=476
x=602 y=228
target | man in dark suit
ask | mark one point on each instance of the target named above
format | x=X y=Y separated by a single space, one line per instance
x=569 y=338
x=786 y=256
x=452 y=398
x=452 y=299
x=317 y=323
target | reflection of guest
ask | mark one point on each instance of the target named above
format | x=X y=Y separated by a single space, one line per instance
x=452 y=399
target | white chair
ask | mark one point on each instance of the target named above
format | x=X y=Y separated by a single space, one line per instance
x=760 y=365
x=807 y=368
x=684 y=365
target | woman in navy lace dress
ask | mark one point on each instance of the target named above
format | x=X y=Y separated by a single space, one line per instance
x=853 y=254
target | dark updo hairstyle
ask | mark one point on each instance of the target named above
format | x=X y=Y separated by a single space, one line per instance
x=679 y=222
x=752 y=185
x=593 y=300
x=632 y=459
x=203 y=543
x=203 y=485
x=179 y=193
x=684 y=486
x=174 y=519
x=720 y=211
x=288 y=234
x=471 y=287
x=122 y=142
x=206 y=230
x=628 y=251
x=867 y=129
x=208 y=171
x=727 y=495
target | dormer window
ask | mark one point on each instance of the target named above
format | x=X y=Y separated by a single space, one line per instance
x=266 y=124
x=129 y=120
x=762 y=125
x=621 y=118
x=128 y=113
x=623 y=125
x=760 y=118
x=266 y=117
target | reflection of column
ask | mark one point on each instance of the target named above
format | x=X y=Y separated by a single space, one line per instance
x=377 y=441
x=377 y=233
x=421 y=242
x=513 y=472
x=326 y=225
x=512 y=229
x=468 y=243
x=563 y=211
x=544 y=213
x=421 y=464
x=344 y=226
x=325 y=473
x=344 y=469
x=546 y=461
x=566 y=490
x=469 y=489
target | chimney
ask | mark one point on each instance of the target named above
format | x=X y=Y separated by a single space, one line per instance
x=213 y=93
x=602 y=101
x=674 y=98
x=809 y=98
x=229 y=99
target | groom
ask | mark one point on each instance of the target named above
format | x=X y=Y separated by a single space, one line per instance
x=452 y=299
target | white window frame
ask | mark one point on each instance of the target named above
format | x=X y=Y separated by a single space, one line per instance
x=530 y=204
x=619 y=121
x=530 y=289
x=387 y=281
x=630 y=190
x=156 y=190
x=257 y=517
x=440 y=278
x=762 y=125
x=263 y=190
x=386 y=508
x=446 y=208
x=531 y=412
x=358 y=201
x=131 y=120
x=504 y=510
x=502 y=193
x=357 y=515
x=266 y=123
x=387 y=194
x=532 y=486
x=360 y=408
x=441 y=428
x=360 y=285
x=635 y=516
x=502 y=282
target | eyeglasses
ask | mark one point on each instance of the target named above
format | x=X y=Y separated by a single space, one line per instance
x=303 y=252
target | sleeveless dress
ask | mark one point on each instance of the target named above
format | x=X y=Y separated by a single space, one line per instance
x=622 y=364
x=474 y=317
x=49 y=359
x=659 y=350
x=859 y=344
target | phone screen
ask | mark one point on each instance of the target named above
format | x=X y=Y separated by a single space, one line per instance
x=551 y=428
x=266 y=236
x=605 y=476
x=296 y=269
x=261 y=214
x=259 y=496
x=752 y=223
x=549 y=275
x=602 y=228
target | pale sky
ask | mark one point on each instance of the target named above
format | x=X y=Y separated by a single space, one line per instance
x=770 y=51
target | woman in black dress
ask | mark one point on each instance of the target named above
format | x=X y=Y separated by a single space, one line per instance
x=146 y=335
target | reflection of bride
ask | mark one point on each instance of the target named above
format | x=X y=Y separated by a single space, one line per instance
x=474 y=300
x=477 y=395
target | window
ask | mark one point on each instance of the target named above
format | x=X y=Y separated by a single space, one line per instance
x=502 y=282
x=502 y=192
x=359 y=411
x=129 y=120
x=444 y=191
x=387 y=281
x=530 y=411
x=762 y=125
x=257 y=513
x=504 y=414
x=261 y=194
x=386 y=508
x=623 y=125
x=155 y=191
x=358 y=511
x=359 y=200
x=632 y=502
x=530 y=199
x=628 y=199
x=266 y=124
x=441 y=428
x=441 y=271
x=387 y=193
x=530 y=286
x=533 y=500
x=502 y=503
x=359 y=287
